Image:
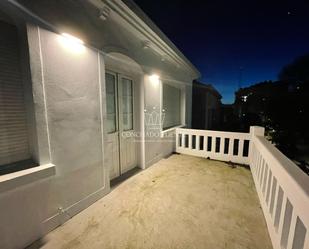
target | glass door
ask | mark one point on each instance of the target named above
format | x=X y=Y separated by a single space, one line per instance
x=112 y=125
x=127 y=104
x=126 y=121
x=120 y=124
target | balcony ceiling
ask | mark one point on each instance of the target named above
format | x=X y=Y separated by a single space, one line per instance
x=81 y=19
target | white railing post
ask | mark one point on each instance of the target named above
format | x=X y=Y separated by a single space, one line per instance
x=257 y=131
x=254 y=131
x=241 y=147
x=222 y=145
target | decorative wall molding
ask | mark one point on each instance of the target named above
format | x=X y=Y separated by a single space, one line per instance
x=104 y=13
x=146 y=30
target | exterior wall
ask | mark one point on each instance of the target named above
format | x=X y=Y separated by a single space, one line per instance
x=67 y=91
x=160 y=144
x=69 y=108
x=152 y=104
x=188 y=105
x=65 y=95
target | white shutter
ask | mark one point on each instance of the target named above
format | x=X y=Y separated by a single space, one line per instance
x=14 y=145
x=171 y=106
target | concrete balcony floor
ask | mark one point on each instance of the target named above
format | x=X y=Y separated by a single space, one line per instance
x=181 y=202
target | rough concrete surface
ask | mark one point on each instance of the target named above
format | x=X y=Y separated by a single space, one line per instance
x=181 y=202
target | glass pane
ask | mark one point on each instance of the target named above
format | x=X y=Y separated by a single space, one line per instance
x=111 y=102
x=111 y=124
x=110 y=83
x=127 y=104
x=126 y=87
x=127 y=122
x=171 y=106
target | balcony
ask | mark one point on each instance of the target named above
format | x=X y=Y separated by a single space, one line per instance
x=189 y=201
x=282 y=188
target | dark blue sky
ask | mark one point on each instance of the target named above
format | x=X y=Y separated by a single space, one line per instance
x=220 y=37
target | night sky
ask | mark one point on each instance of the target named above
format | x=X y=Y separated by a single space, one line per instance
x=221 y=37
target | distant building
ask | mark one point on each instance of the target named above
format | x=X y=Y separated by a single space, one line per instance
x=254 y=100
x=227 y=113
x=206 y=105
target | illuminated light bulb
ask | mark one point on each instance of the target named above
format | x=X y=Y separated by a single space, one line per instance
x=72 y=43
x=154 y=79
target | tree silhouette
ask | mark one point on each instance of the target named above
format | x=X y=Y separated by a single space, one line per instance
x=297 y=71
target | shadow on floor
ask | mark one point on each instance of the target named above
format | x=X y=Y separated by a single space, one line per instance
x=120 y=179
x=37 y=244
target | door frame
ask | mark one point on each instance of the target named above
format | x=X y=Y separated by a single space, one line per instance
x=116 y=96
x=121 y=76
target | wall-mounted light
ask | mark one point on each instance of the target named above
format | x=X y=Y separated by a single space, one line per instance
x=154 y=79
x=72 y=43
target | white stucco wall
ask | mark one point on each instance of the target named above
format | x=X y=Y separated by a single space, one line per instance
x=67 y=113
x=188 y=104
x=67 y=90
x=157 y=145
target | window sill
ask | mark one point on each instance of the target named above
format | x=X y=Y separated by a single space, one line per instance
x=164 y=132
x=19 y=178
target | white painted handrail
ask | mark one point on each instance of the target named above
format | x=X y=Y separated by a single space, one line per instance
x=218 y=145
x=283 y=190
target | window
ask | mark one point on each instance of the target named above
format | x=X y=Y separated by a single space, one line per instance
x=171 y=106
x=127 y=104
x=14 y=141
x=125 y=87
x=111 y=98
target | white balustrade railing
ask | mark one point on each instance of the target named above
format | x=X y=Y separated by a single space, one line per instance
x=283 y=190
x=282 y=187
x=218 y=145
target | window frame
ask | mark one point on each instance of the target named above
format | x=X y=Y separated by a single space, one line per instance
x=119 y=76
x=116 y=100
x=38 y=134
x=25 y=89
x=182 y=89
x=126 y=77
